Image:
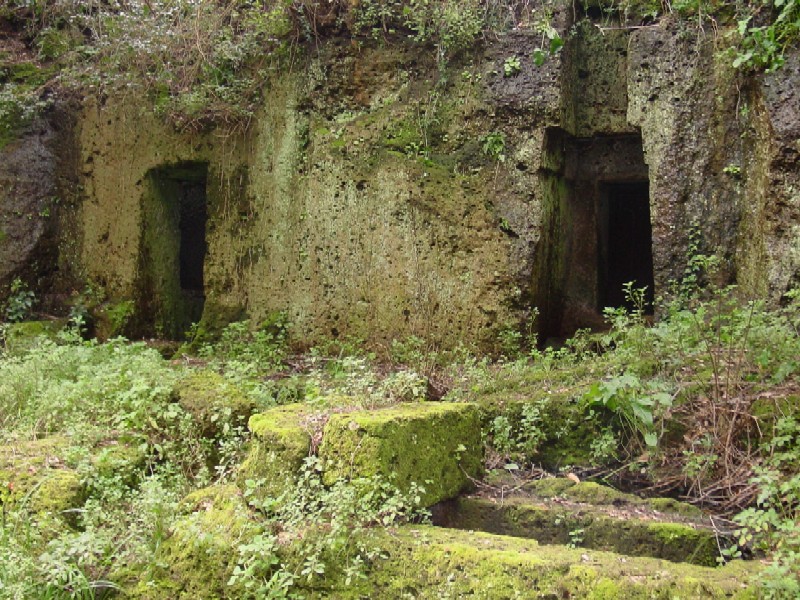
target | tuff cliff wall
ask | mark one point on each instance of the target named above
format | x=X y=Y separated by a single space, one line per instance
x=377 y=196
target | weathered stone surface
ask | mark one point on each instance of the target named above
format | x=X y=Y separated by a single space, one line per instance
x=28 y=194
x=432 y=563
x=434 y=445
x=635 y=530
x=34 y=476
x=362 y=201
x=214 y=402
x=281 y=441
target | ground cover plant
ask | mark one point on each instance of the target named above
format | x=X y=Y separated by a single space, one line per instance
x=104 y=442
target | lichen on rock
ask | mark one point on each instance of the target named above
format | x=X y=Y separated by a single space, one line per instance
x=436 y=446
x=281 y=441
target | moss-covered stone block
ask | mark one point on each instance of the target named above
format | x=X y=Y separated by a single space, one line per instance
x=214 y=402
x=124 y=457
x=595 y=493
x=435 y=445
x=426 y=562
x=281 y=441
x=590 y=492
x=34 y=476
x=670 y=505
x=198 y=558
x=21 y=337
x=559 y=510
x=633 y=532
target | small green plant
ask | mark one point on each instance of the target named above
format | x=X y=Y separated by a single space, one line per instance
x=20 y=302
x=551 y=41
x=512 y=66
x=263 y=346
x=576 y=537
x=604 y=447
x=773 y=524
x=700 y=459
x=119 y=314
x=330 y=526
x=494 y=146
x=635 y=403
x=733 y=170
x=515 y=445
x=510 y=339
x=764 y=46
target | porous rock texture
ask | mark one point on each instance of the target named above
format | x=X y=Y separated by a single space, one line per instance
x=362 y=200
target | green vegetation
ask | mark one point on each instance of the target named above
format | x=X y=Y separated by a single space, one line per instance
x=203 y=63
x=20 y=302
x=512 y=66
x=115 y=456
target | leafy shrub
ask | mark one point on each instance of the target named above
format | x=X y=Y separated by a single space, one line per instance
x=20 y=302
x=452 y=26
x=763 y=45
x=773 y=524
x=634 y=403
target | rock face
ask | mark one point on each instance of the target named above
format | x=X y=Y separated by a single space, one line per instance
x=29 y=199
x=434 y=448
x=373 y=198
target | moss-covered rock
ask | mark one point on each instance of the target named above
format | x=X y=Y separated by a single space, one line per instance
x=34 y=476
x=594 y=493
x=634 y=532
x=436 y=445
x=20 y=337
x=426 y=562
x=214 y=402
x=590 y=492
x=281 y=440
x=197 y=560
x=124 y=457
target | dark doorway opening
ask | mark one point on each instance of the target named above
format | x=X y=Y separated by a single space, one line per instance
x=192 y=220
x=626 y=241
x=596 y=233
x=174 y=249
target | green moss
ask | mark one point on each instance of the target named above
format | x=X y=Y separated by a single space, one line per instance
x=214 y=402
x=550 y=487
x=21 y=337
x=215 y=317
x=38 y=479
x=605 y=589
x=435 y=445
x=281 y=440
x=584 y=491
x=402 y=135
x=768 y=410
x=112 y=319
x=197 y=560
x=626 y=532
x=426 y=562
x=672 y=506
x=594 y=493
x=125 y=457
x=684 y=543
